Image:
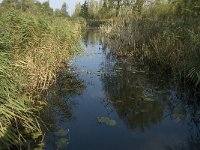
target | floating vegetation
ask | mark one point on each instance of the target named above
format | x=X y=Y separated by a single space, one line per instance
x=62 y=132
x=107 y=121
x=62 y=143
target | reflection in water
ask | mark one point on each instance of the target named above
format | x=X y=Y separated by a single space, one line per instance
x=91 y=39
x=60 y=106
x=152 y=110
x=143 y=98
x=66 y=85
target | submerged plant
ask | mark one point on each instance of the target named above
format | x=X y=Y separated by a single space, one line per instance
x=62 y=133
x=62 y=143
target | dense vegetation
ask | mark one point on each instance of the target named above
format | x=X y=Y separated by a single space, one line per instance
x=34 y=42
x=163 y=34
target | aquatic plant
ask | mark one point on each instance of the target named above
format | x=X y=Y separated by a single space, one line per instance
x=107 y=121
x=32 y=49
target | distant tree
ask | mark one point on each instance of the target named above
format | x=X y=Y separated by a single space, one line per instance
x=77 y=10
x=110 y=4
x=8 y=3
x=22 y=4
x=104 y=7
x=64 y=11
x=84 y=10
x=92 y=8
x=46 y=9
x=27 y=4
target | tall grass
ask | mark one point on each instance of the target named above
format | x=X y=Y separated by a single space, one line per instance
x=160 y=36
x=32 y=48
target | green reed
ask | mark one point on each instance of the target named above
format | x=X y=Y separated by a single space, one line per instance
x=32 y=49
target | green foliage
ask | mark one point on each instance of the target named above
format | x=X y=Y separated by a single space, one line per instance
x=77 y=10
x=84 y=10
x=35 y=7
x=62 y=12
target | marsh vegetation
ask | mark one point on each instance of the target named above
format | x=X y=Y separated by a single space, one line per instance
x=162 y=34
x=136 y=80
x=34 y=44
x=123 y=105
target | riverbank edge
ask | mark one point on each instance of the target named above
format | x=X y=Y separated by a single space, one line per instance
x=33 y=49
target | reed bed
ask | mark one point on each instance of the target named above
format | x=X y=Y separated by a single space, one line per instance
x=160 y=37
x=32 y=49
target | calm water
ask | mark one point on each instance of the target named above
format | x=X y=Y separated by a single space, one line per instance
x=151 y=111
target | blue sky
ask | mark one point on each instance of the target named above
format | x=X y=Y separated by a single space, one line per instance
x=58 y=3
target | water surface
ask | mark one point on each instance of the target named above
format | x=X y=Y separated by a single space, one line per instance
x=152 y=112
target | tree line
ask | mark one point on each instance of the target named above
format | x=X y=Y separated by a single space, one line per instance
x=36 y=7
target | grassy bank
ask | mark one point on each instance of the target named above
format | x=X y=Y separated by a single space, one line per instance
x=32 y=48
x=163 y=35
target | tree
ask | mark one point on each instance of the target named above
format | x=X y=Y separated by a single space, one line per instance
x=64 y=11
x=104 y=8
x=46 y=9
x=27 y=5
x=93 y=8
x=84 y=10
x=77 y=10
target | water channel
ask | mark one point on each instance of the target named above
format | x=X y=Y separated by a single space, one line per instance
x=122 y=107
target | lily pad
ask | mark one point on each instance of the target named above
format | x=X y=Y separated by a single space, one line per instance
x=107 y=121
x=62 y=133
x=61 y=143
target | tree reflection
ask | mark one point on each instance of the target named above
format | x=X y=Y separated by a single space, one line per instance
x=128 y=93
x=143 y=97
x=59 y=105
x=91 y=37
